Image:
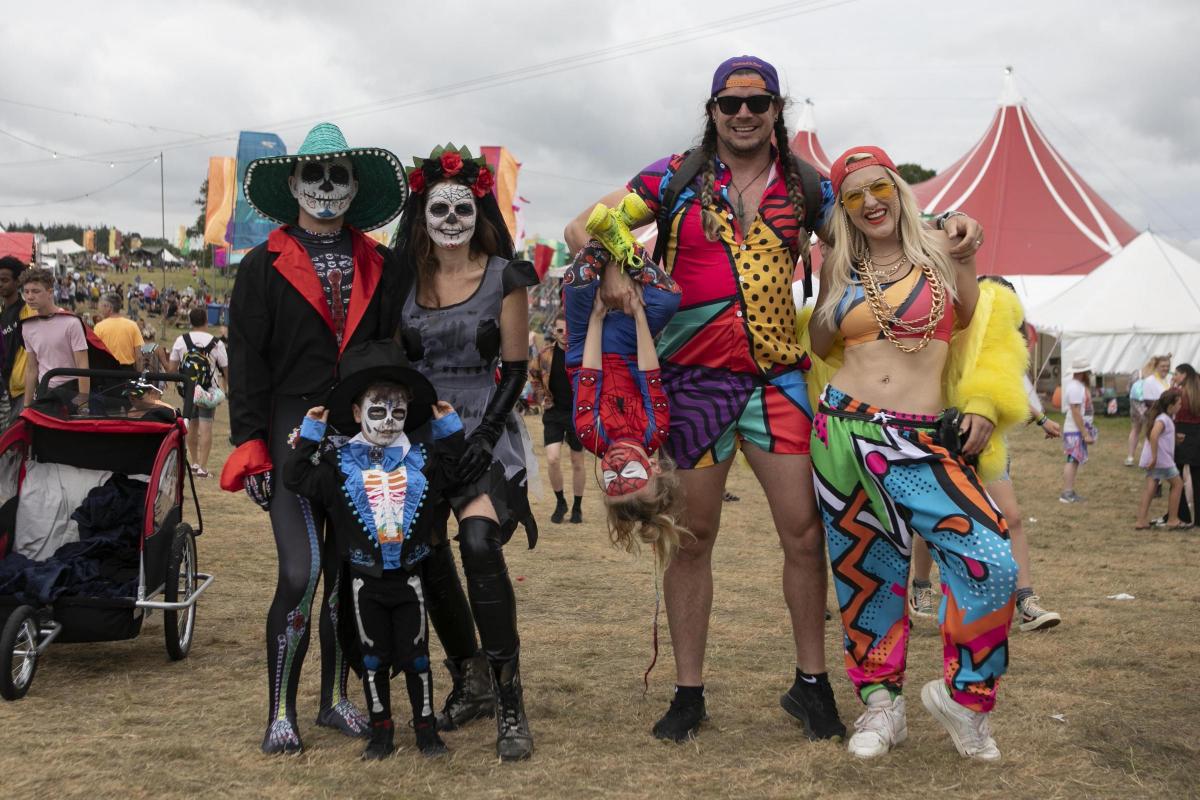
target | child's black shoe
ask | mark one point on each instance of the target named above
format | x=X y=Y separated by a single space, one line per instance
x=382 y=742
x=428 y=741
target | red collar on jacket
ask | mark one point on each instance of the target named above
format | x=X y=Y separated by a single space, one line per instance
x=293 y=263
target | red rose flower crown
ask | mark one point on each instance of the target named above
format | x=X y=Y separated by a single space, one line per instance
x=451 y=163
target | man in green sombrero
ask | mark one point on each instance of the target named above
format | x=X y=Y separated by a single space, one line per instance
x=316 y=286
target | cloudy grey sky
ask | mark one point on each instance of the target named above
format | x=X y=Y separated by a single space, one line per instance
x=583 y=94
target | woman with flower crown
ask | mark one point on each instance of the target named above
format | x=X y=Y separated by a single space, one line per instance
x=467 y=314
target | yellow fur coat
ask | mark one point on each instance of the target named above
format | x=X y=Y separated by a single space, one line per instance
x=982 y=374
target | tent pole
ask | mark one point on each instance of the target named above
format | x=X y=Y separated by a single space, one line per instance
x=162 y=197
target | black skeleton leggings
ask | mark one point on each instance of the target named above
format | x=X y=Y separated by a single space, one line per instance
x=492 y=606
x=389 y=614
x=299 y=528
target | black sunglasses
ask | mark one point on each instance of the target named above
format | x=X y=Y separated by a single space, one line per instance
x=731 y=104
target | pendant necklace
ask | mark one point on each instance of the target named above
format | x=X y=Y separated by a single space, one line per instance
x=741 y=209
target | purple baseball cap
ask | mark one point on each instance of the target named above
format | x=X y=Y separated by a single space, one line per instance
x=728 y=67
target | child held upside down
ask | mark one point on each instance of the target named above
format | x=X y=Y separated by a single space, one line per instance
x=377 y=487
x=621 y=412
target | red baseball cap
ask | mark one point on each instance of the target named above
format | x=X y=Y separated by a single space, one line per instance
x=840 y=169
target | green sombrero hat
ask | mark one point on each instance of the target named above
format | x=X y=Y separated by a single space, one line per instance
x=382 y=185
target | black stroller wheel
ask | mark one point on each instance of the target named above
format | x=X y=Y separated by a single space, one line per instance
x=179 y=626
x=18 y=653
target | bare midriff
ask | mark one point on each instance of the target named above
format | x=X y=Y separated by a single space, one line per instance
x=879 y=374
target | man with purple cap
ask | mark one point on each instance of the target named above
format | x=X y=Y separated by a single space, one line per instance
x=735 y=216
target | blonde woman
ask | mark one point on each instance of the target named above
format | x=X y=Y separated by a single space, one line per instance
x=890 y=462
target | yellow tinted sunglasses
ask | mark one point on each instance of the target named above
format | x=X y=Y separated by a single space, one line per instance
x=882 y=190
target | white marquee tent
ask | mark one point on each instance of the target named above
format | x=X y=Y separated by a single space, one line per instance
x=1144 y=300
x=68 y=247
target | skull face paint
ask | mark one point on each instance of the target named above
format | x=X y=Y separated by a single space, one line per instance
x=450 y=214
x=381 y=412
x=324 y=189
x=625 y=469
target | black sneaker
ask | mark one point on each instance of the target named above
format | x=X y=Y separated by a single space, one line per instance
x=577 y=516
x=682 y=720
x=560 y=512
x=813 y=706
x=429 y=743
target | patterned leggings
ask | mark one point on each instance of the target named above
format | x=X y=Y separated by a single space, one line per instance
x=881 y=477
x=298 y=526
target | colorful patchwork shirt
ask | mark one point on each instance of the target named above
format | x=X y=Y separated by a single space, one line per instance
x=737 y=312
x=376 y=496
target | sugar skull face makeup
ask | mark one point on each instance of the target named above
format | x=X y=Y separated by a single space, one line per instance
x=625 y=469
x=450 y=214
x=381 y=412
x=325 y=189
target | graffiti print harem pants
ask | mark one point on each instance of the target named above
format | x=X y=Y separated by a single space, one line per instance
x=881 y=477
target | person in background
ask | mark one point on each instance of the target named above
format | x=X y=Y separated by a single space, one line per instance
x=1187 y=429
x=200 y=425
x=1158 y=459
x=1078 y=430
x=52 y=339
x=12 y=365
x=1032 y=616
x=120 y=334
x=549 y=372
x=1137 y=409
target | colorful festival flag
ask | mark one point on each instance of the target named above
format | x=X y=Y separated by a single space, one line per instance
x=249 y=229
x=505 y=167
x=89 y=241
x=543 y=258
x=218 y=208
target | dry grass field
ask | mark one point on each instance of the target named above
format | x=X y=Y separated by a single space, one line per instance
x=120 y=720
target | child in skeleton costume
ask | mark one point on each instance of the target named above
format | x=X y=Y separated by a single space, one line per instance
x=315 y=287
x=621 y=412
x=376 y=488
x=468 y=313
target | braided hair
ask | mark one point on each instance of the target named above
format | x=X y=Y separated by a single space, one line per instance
x=795 y=192
x=708 y=179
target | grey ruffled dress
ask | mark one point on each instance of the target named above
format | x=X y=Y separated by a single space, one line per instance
x=460 y=352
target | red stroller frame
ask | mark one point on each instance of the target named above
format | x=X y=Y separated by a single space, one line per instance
x=168 y=578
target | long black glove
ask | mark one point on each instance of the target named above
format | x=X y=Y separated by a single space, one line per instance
x=477 y=457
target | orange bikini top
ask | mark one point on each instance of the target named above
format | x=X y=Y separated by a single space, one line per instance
x=911 y=298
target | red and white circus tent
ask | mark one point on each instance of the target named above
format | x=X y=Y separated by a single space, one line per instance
x=1045 y=226
x=805 y=143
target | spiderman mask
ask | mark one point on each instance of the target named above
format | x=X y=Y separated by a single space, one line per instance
x=626 y=468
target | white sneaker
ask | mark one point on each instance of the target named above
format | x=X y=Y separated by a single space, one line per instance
x=920 y=601
x=1033 y=617
x=880 y=728
x=969 y=729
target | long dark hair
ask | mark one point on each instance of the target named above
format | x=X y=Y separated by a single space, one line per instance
x=791 y=178
x=1164 y=401
x=1189 y=386
x=417 y=251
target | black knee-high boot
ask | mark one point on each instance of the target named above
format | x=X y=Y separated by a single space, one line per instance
x=495 y=608
x=470 y=696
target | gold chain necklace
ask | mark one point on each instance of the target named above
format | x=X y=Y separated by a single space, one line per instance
x=885 y=313
x=867 y=264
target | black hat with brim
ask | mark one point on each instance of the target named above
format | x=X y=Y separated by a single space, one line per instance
x=369 y=363
x=382 y=184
